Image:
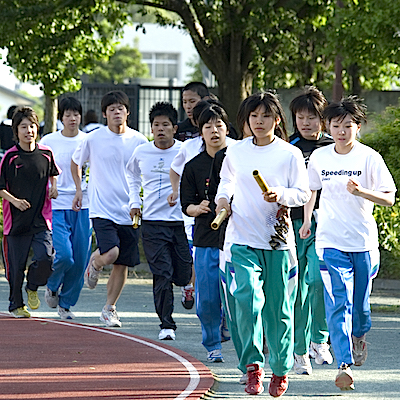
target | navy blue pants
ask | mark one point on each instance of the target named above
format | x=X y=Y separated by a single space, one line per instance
x=15 y=252
x=167 y=252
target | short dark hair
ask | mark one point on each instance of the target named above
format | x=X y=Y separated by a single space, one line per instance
x=162 y=108
x=201 y=105
x=351 y=105
x=311 y=99
x=10 y=112
x=213 y=112
x=198 y=87
x=114 y=97
x=272 y=105
x=19 y=114
x=90 y=117
x=69 y=103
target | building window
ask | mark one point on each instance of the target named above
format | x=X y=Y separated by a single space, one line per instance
x=162 y=65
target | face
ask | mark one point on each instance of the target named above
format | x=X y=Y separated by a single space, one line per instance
x=189 y=101
x=163 y=132
x=214 y=133
x=262 y=125
x=27 y=132
x=344 y=133
x=116 y=114
x=308 y=124
x=71 y=120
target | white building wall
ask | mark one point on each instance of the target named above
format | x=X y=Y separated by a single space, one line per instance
x=158 y=39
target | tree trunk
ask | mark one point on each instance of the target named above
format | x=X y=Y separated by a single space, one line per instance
x=50 y=115
x=338 y=85
x=354 y=73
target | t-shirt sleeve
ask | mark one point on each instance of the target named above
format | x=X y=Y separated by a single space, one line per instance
x=381 y=176
x=82 y=152
x=313 y=175
x=54 y=169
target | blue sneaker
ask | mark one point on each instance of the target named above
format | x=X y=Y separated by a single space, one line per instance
x=215 y=356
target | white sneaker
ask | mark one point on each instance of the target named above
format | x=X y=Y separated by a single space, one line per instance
x=302 y=365
x=110 y=317
x=166 y=334
x=91 y=275
x=51 y=298
x=320 y=352
x=65 y=313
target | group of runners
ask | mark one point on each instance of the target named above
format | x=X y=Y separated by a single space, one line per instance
x=287 y=267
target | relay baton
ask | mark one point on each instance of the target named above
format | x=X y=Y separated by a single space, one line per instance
x=219 y=218
x=135 y=221
x=260 y=180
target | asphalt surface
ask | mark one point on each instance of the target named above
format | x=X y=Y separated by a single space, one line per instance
x=378 y=378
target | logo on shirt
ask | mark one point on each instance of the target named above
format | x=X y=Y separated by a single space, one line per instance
x=160 y=167
x=326 y=174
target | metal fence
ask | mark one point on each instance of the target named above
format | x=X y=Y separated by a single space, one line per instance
x=141 y=99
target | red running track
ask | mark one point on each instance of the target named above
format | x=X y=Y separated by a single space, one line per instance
x=51 y=359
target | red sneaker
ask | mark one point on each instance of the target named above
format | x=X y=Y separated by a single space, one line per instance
x=254 y=383
x=278 y=385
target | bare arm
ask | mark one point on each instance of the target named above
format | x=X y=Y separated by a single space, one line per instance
x=174 y=178
x=77 y=177
x=305 y=231
x=53 y=192
x=21 y=204
x=380 y=198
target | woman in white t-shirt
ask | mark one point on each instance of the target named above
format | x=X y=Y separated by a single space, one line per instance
x=352 y=177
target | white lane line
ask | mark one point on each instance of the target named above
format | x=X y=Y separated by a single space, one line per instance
x=193 y=373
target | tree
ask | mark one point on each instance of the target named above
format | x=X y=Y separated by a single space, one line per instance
x=238 y=39
x=123 y=65
x=54 y=42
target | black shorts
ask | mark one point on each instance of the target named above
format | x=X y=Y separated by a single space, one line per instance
x=167 y=252
x=109 y=234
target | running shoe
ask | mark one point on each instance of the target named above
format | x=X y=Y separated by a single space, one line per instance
x=254 y=383
x=344 y=379
x=187 y=296
x=360 y=351
x=215 y=356
x=51 y=298
x=20 y=312
x=302 y=365
x=320 y=352
x=91 y=276
x=166 y=334
x=65 y=313
x=33 y=299
x=110 y=317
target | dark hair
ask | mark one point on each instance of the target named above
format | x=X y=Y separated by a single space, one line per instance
x=198 y=87
x=114 y=97
x=90 y=117
x=10 y=112
x=201 y=105
x=164 y=109
x=213 y=112
x=310 y=99
x=241 y=117
x=272 y=105
x=351 y=105
x=19 y=114
x=69 y=103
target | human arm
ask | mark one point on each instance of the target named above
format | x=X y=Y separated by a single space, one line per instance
x=53 y=192
x=21 y=204
x=134 y=178
x=174 y=178
x=380 y=198
x=76 y=173
x=305 y=231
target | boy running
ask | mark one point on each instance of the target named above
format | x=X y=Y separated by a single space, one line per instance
x=108 y=150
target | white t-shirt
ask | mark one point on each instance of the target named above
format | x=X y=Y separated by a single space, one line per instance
x=63 y=147
x=108 y=154
x=345 y=221
x=253 y=219
x=151 y=165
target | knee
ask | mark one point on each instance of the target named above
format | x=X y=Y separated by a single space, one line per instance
x=110 y=256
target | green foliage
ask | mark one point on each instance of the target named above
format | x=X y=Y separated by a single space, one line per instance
x=124 y=64
x=55 y=42
x=384 y=137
